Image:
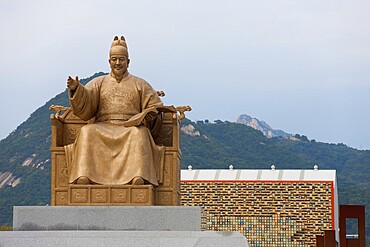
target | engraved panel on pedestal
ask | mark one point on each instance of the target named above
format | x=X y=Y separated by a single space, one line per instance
x=79 y=195
x=119 y=195
x=139 y=195
x=142 y=195
x=61 y=198
x=164 y=198
x=99 y=195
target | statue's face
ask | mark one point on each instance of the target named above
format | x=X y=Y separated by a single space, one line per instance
x=118 y=64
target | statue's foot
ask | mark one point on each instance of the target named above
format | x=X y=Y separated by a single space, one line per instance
x=137 y=181
x=83 y=180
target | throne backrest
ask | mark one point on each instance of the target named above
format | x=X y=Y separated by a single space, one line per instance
x=65 y=129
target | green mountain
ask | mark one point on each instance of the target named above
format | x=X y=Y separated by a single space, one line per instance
x=25 y=157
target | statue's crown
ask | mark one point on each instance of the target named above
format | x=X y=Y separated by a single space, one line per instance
x=117 y=41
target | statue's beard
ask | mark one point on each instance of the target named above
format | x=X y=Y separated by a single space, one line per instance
x=118 y=71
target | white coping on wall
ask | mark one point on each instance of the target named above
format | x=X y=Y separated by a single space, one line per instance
x=258 y=175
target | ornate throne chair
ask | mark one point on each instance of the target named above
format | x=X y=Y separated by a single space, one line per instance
x=65 y=127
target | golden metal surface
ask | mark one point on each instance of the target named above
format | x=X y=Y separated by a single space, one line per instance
x=182 y=110
x=107 y=137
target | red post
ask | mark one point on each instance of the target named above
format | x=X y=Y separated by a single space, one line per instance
x=320 y=241
x=329 y=238
x=352 y=211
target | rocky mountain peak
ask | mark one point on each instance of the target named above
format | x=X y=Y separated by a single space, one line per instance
x=190 y=130
x=261 y=126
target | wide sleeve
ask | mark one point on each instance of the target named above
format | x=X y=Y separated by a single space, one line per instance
x=149 y=96
x=85 y=99
x=149 y=100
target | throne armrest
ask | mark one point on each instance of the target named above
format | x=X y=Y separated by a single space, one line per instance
x=65 y=126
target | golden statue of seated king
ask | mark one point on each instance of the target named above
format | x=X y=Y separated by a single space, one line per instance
x=117 y=144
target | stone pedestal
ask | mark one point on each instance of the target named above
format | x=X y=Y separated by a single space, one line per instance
x=113 y=226
x=121 y=239
x=125 y=218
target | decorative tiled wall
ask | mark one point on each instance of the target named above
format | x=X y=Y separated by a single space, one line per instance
x=268 y=213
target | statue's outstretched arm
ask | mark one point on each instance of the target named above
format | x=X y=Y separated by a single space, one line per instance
x=83 y=99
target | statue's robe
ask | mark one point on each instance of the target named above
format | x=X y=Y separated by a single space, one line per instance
x=106 y=151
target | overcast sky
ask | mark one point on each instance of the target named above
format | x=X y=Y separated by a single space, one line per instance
x=301 y=66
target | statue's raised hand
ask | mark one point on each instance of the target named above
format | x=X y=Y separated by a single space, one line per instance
x=72 y=84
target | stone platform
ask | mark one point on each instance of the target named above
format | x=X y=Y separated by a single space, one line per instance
x=121 y=239
x=113 y=226
x=134 y=218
